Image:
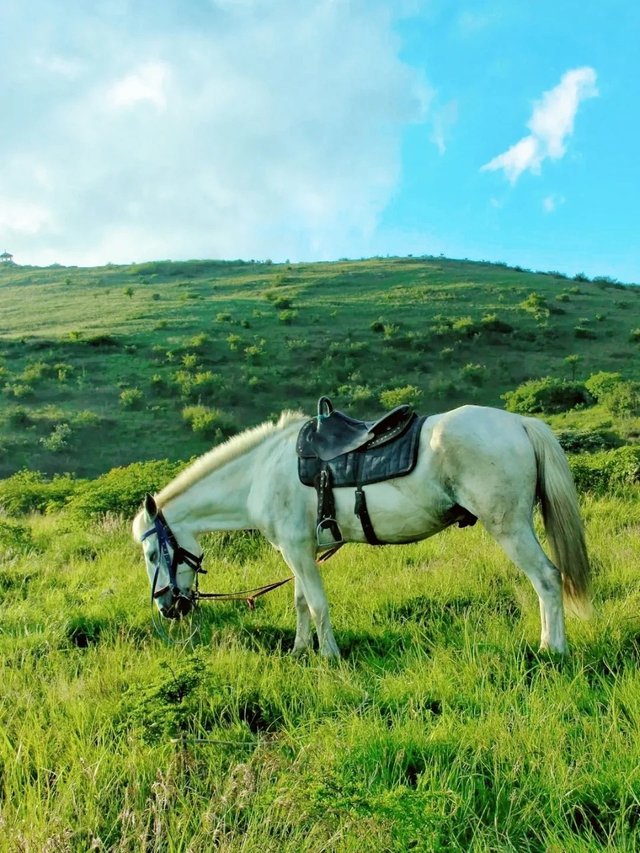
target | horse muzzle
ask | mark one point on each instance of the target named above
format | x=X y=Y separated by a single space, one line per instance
x=181 y=605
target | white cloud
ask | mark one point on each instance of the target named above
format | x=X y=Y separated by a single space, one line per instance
x=551 y=202
x=146 y=83
x=444 y=119
x=550 y=124
x=250 y=129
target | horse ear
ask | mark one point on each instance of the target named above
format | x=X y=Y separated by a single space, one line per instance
x=150 y=507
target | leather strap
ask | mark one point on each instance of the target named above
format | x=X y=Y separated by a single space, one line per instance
x=362 y=512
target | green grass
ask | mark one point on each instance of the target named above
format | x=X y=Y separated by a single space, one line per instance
x=97 y=365
x=440 y=728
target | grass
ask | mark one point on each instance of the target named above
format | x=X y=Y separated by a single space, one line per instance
x=131 y=346
x=441 y=727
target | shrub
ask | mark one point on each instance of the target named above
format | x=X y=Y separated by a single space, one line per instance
x=393 y=397
x=546 y=395
x=492 y=323
x=464 y=326
x=377 y=326
x=584 y=333
x=18 y=390
x=131 y=398
x=607 y=470
x=475 y=374
x=18 y=416
x=15 y=539
x=35 y=372
x=586 y=440
x=535 y=303
x=602 y=383
x=623 y=399
x=121 y=490
x=59 y=438
x=212 y=423
x=287 y=317
x=29 y=491
x=634 y=336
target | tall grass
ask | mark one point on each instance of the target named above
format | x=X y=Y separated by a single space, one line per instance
x=441 y=727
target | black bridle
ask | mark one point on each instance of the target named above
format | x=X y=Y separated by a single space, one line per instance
x=166 y=539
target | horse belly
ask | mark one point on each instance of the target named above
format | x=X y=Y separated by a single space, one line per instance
x=399 y=510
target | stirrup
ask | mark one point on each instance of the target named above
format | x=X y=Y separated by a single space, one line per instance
x=329 y=540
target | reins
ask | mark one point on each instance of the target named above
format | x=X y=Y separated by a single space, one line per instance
x=167 y=538
x=248 y=595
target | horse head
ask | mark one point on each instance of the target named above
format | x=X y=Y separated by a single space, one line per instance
x=173 y=560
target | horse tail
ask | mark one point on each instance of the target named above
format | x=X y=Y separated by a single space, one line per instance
x=561 y=515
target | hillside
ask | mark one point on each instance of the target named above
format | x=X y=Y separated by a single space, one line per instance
x=103 y=366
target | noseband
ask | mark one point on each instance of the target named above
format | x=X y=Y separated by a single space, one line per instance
x=167 y=538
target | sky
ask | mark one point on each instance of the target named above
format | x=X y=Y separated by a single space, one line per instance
x=311 y=130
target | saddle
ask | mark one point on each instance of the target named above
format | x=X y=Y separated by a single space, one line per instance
x=336 y=450
x=333 y=433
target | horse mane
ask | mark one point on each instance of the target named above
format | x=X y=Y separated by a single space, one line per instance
x=224 y=453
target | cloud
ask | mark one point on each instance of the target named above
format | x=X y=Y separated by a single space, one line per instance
x=146 y=83
x=443 y=122
x=221 y=129
x=550 y=124
x=551 y=202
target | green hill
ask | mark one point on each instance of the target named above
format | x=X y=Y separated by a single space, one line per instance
x=103 y=366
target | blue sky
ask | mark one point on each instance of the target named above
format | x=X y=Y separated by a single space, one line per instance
x=321 y=129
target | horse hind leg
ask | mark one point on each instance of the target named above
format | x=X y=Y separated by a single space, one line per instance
x=522 y=546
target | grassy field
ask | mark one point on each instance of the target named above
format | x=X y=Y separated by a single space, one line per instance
x=101 y=367
x=440 y=728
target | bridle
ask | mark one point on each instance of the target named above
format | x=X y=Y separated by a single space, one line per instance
x=166 y=539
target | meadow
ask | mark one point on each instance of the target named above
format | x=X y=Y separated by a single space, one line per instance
x=441 y=727
x=106 y=366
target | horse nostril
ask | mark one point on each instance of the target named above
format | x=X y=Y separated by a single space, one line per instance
x=183 y=605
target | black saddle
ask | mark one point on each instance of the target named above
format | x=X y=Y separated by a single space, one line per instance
x=333 y=433
x=335 y=449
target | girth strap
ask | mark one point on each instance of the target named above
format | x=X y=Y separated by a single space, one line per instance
x=362 y=512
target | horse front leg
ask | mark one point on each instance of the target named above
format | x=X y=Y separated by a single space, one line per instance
x=303 y=621
x=310 y=600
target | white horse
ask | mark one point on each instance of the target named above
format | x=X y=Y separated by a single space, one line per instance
x=489 y=462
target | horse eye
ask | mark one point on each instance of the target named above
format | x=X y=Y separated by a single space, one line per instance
x=153 y=556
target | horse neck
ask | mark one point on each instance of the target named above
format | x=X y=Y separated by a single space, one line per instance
x=218 y=501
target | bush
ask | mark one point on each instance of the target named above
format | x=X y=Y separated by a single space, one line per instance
x=212 y=423
x=547 y=395
x=492 y=323
x=131 y=398
x=464 y=326
x=584 y=333
x=602 y=383
x=586 y=440
x=623 y=399
x=634 y=336
x=58 y=439
x=121 y=490
x=15 y=539
x=607 y=470
x=29 y=491
x=393 y=397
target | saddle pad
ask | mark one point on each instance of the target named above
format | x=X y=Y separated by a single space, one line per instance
x=360 y=467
